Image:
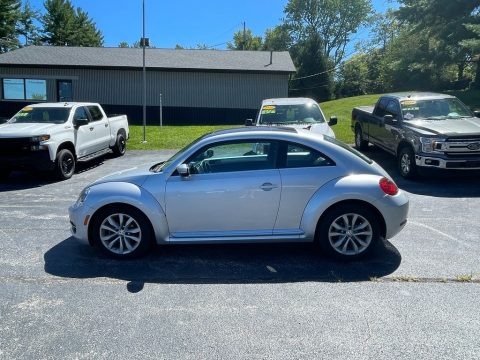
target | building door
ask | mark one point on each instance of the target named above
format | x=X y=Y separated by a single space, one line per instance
x=64 y=90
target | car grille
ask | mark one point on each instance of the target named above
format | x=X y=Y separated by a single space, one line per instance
x=463 y=146
x=14 y=146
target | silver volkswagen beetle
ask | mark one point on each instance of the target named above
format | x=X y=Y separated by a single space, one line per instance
x=245 y=185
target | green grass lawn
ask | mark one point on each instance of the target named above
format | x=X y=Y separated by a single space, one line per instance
x=176 y=137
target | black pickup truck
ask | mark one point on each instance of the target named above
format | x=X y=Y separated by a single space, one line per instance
x=423 y=130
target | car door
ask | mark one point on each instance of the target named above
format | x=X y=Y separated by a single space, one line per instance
x=233 y=190
x=389 y=133
x=99 y=129
x=83 y=138
x=377 y=123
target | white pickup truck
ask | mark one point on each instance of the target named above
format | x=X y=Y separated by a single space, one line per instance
x=54 y=136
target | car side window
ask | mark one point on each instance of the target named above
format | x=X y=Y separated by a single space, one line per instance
x=381 y=106
x=234 y=156
x=302 y=156
x=393 y=109
x=80 y=113
x=95 y=113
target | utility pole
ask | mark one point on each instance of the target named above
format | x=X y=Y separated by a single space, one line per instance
x=244 y=37
x=144 y=73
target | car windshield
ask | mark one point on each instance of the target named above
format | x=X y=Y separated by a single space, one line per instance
x=307 y=113
x=162 y=165
x=434 y=109
x=47 y=115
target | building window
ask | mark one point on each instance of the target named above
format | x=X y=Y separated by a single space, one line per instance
x=25 y=89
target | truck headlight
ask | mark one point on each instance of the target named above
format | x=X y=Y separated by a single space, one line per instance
x=432 y=144
x=40 y=138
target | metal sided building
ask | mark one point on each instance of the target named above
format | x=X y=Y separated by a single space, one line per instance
x=192 y=86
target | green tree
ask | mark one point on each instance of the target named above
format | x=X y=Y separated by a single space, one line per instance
x=245 y=40
x=277 y=39
x=314 y=77
x=123 y=44
x=65 y=26
x=473 y=45
x=26 y=25
x=443 y=21
x=333 y=21
x=9 y=15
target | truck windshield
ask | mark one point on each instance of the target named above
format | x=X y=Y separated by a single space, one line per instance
x=434 y=109
x=291 y=114
x=47 y=115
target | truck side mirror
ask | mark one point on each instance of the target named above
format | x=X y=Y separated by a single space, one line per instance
x=477 y=113
x=389 y=119
x=249 y=122
x=332 y=121
x=80 y=122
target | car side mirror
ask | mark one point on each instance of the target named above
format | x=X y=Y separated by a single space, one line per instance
x=80 y=122
x=477 y=113
x=183 y=170
x=332 y=121
x=249 y=122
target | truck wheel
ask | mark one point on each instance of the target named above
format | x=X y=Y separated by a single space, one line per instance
x=348 y=232
x=65 y=164
x=406 y=163
x=360 y=144
x=120 y=145
x=121 y=232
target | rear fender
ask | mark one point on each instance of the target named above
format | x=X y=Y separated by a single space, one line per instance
x=361 y=187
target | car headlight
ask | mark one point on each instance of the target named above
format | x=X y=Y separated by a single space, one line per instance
x=82 y=196
x=431 y=144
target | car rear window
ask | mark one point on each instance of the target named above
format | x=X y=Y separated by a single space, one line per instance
x=348 y=148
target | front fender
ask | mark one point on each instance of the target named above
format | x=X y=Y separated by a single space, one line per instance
x=360 y=187
x=104 y=194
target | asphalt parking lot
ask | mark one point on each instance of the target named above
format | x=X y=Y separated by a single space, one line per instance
x=415 y=298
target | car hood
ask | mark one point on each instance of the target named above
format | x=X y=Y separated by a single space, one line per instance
x=136 y=175
x=463 y=126
x=26 y=129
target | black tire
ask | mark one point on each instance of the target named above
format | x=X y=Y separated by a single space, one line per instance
x=348 y=232
x=120 y=146
x=360 y=144
x=65 y=164
x=406 y=163
x=121 y=232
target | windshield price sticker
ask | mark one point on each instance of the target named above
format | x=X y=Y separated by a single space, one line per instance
x=268 y=109
x=408 y=102
x=27 y=109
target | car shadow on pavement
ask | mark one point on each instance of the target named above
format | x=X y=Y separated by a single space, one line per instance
x=22 y=180
x=439 y=183
x=235 y=263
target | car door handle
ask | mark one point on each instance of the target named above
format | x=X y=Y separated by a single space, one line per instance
x=268 y=186
x=106 y=125
x=91 y=129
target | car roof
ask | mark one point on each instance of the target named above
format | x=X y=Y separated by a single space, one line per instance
x=58 y=104
x=418 y=95
x=287 y=101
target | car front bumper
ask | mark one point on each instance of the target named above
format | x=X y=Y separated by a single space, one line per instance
x=79 y=219
x=441 y=163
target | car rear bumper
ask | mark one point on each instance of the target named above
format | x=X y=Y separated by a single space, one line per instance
x=395 y=213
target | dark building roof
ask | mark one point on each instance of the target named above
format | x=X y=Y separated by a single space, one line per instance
x=100 y=57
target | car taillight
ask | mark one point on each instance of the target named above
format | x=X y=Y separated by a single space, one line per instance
x=388 y=186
